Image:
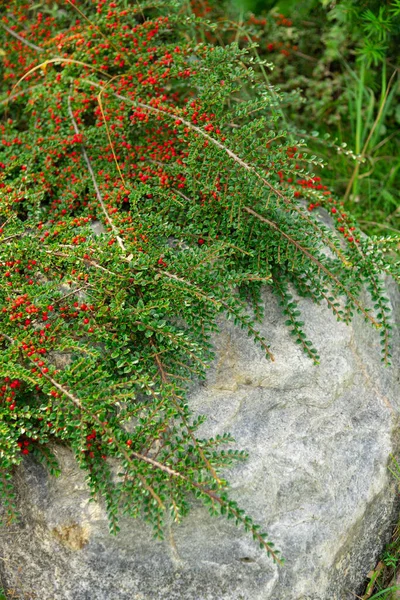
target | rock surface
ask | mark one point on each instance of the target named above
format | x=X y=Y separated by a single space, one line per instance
x=317 y=479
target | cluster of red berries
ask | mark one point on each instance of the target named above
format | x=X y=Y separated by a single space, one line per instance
x=24 y=445
x=93 y=446
x=8 y=391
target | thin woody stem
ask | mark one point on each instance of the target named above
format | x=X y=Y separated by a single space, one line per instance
x=216 y=302
x=164 y=379
x=95 y=185
x=76 y=401
x=22 y=39
x=314 y=260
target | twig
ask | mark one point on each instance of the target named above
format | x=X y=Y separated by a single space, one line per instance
x=91 y=262
x=15 y=235
x=108 y=132
x=13 y=96
x=319 y=264
x=310 y=58
x=164 y=379
x=381 y=225
x=217 y=302
x=96 y=187
x=10 y=339
x=22 y=39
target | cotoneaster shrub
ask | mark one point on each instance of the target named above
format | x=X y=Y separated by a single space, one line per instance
x=147 y=185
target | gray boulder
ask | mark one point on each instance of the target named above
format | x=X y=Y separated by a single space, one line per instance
x=317 y=480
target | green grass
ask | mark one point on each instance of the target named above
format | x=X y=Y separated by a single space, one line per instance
x=382 y=580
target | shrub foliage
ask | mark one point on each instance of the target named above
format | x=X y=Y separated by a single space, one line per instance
x=147 y=185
